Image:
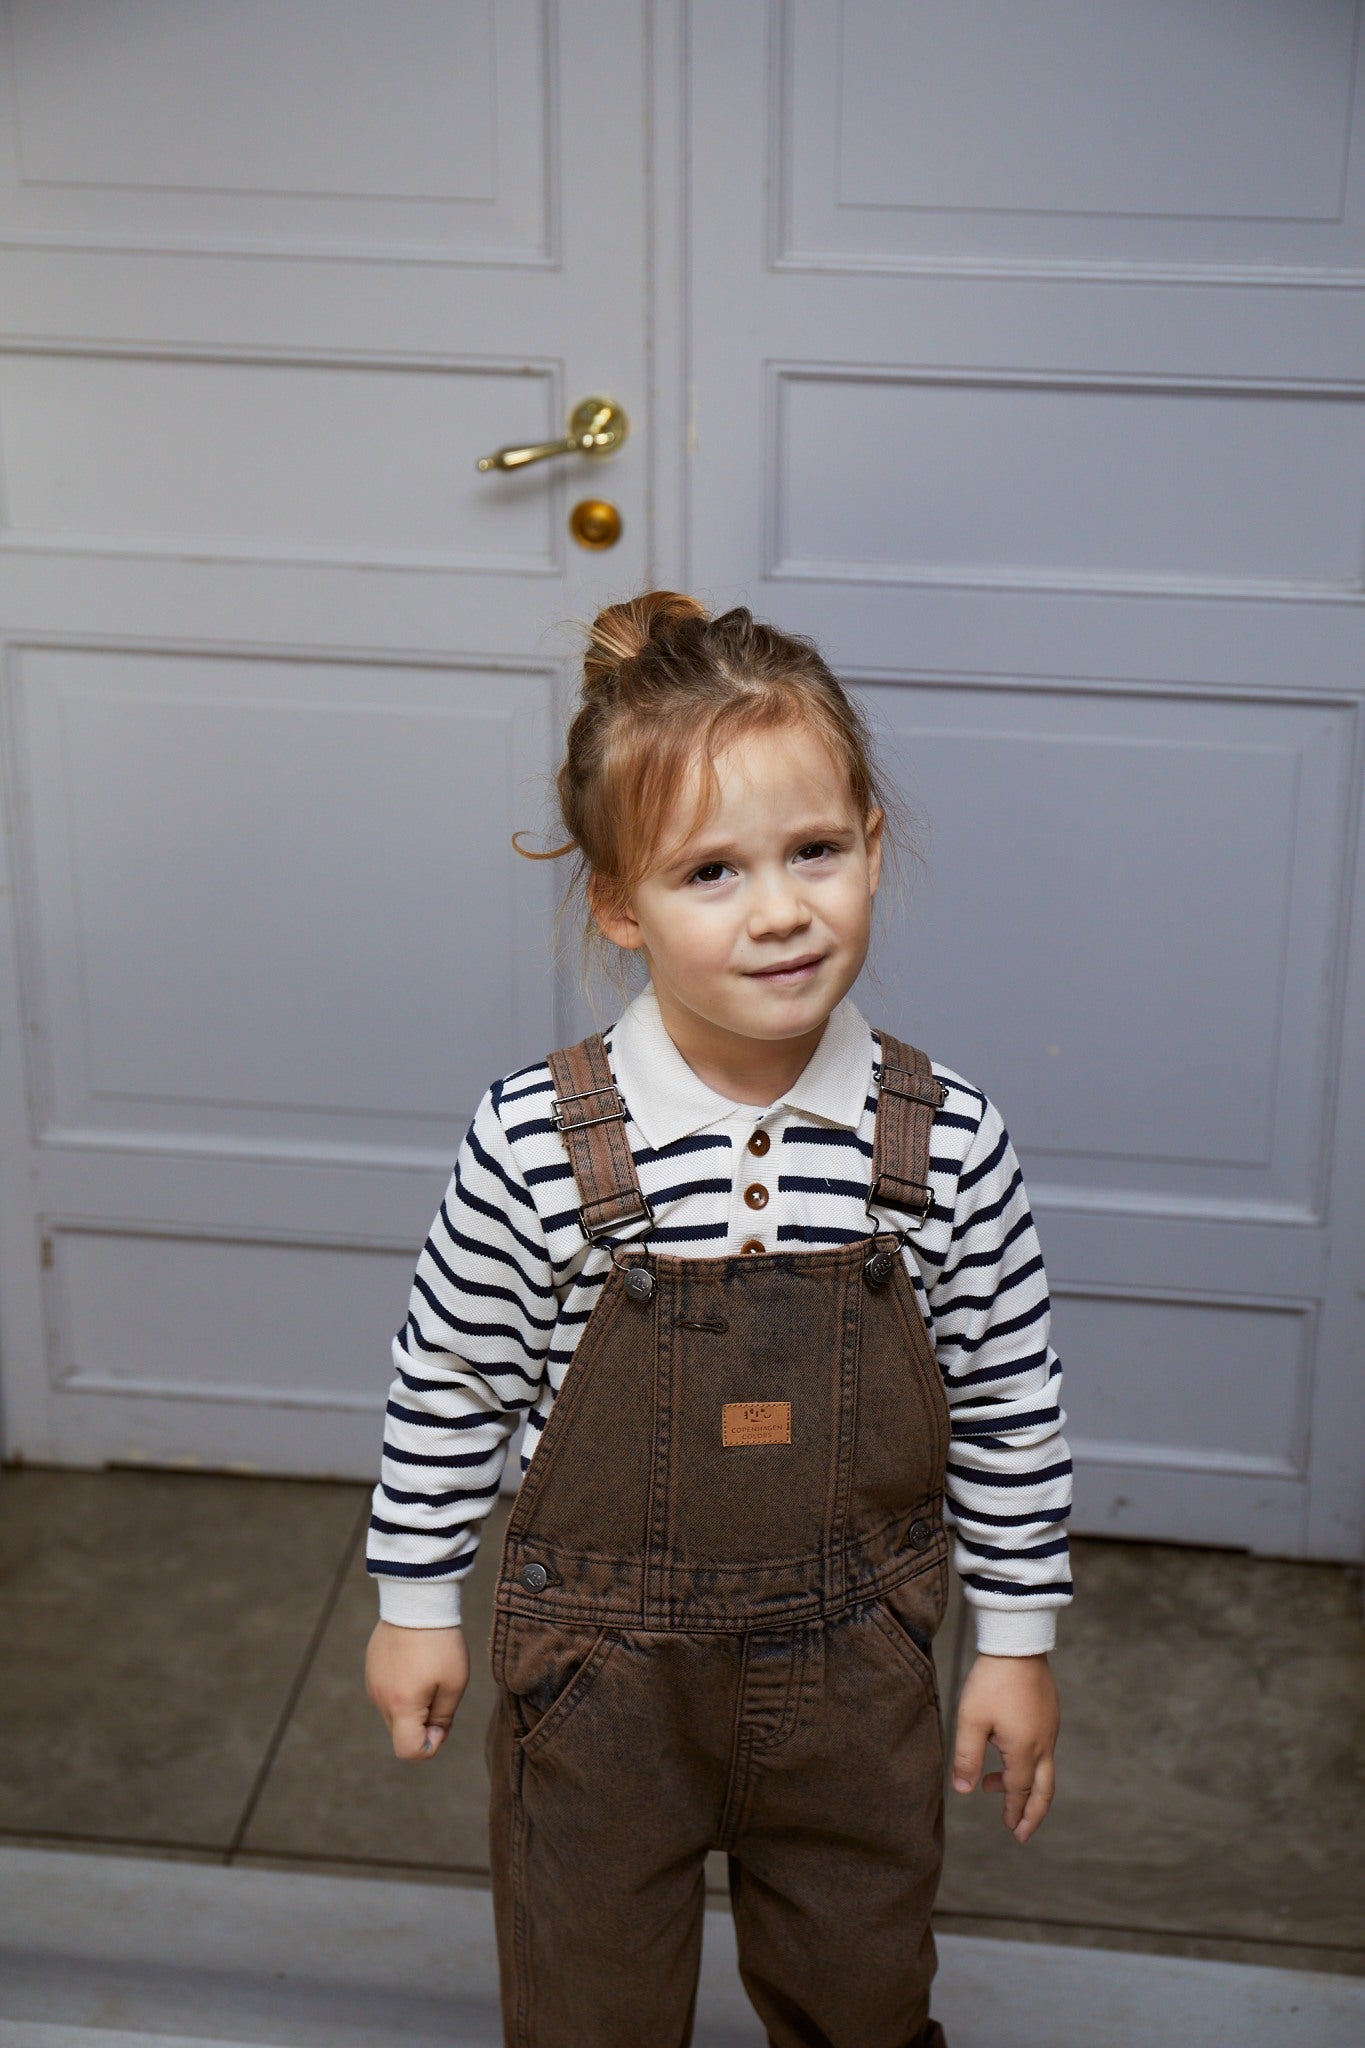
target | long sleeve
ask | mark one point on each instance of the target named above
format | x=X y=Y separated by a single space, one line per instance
x=469 y=1362
x=1009 y=1469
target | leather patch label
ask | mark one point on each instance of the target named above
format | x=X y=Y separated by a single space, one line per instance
x=756 y=1422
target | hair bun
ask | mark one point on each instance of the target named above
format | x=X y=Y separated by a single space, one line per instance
x=621 y=631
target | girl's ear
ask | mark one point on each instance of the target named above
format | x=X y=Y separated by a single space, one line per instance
x=613 y=915
x=872 y=839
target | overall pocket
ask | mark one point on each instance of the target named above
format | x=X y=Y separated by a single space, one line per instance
x=547 y=1669
x=908 y=1616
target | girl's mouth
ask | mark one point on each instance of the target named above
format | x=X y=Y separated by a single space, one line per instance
x=788 y=972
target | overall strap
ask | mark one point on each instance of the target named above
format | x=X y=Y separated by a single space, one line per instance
x=908 y=1097
x=591 y=1118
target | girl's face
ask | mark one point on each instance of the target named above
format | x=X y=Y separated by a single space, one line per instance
x=756 y=923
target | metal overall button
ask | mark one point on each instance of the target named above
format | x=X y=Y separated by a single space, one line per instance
x=879 y=1267
x=535 y=1578
x=921 y=1536
x=636 y=1277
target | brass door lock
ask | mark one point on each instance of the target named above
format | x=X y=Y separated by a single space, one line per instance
x=595 y=524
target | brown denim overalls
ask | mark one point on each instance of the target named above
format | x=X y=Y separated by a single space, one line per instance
x=719 y=1588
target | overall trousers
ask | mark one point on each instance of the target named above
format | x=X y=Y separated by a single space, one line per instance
x=714 y=1618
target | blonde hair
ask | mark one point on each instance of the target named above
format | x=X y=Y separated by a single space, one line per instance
x=666 y=687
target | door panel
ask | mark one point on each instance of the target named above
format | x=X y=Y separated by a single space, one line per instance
x=207 y=973
x=402 y=130
x=1034 y=394
x=292 y=479
x=1059 y=138
x=1163 y=875
x=1084 y=484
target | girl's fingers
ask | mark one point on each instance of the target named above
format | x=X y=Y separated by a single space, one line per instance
x=1018 y=1779
x=1035 y=1805
x=440 y=1718
x=968 y=1755
x=409 y=1731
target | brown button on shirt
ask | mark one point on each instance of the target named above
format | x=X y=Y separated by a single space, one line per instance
x=756 y=1197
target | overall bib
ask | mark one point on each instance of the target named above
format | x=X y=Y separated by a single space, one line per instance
x=714 y=1619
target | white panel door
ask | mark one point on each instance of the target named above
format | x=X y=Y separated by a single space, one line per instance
x=1028 y=355
x=281 y=672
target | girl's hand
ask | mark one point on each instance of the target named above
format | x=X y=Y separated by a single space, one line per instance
x=416 y=1677
x=1012 y=1702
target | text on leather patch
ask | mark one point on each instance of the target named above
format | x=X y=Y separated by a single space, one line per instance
x=756 y=1422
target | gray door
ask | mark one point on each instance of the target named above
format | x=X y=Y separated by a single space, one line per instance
x=1027 y=346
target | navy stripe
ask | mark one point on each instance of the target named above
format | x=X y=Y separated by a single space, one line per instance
x=449 y=1569
x=970 y=1176
x=498 y=1330
x=422 y=1500
x=988 y=1212
x=1057 y=1549
x=481 y=1248
x=1038 y=1478
x=804 y=1184
x=428 y=1460
x=440 y=1387
x=975 y=1515
x=971 y=1345
x=967 y=1425
x=490 y=1165
x=452 y=1529
x=549 y=1176
x=985 y=1585
x=486 y=1289
x=469 y=1200
x=814 y=1134
x=807 y=1233
x=682 y=1148
x=1014 y=1279
x=1008 y=1368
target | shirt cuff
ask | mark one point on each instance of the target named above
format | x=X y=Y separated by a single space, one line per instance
x=1005 y=1632
x=419 y=1603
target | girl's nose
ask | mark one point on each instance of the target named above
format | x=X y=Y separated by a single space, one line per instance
x=777 y=909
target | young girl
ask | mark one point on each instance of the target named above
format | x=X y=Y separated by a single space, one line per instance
x=792 y=1267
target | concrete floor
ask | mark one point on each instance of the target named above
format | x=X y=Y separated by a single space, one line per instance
x=180 y=1677
x=121 y=1952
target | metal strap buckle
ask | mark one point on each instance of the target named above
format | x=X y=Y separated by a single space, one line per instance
x=592 y=1231
x=581 y=1123
x=889 y=1078
x=918 y=1210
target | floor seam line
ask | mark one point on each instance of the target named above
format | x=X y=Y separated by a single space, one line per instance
x=299 y=1680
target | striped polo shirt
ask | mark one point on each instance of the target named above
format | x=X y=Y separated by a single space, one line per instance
x=506 y=1282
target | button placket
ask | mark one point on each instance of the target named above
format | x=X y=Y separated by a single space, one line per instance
x=757 y=1194
x=753 y=1192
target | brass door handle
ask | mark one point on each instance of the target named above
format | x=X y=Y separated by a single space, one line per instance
x=596 y=427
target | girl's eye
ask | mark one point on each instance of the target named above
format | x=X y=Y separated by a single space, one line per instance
x=712 y=872
x=815 y=850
